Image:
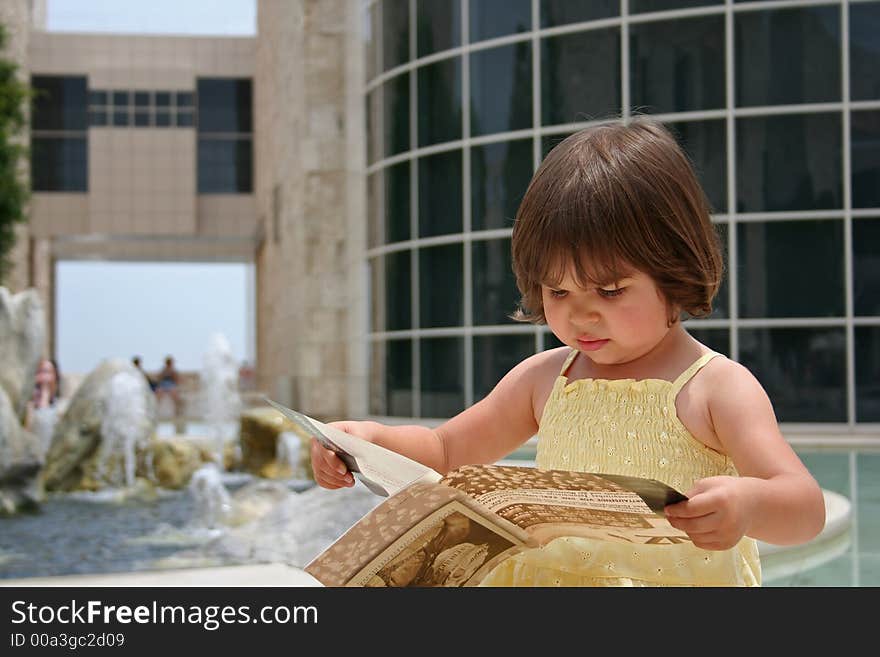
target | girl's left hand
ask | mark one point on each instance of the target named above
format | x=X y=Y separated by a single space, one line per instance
x=716 y=515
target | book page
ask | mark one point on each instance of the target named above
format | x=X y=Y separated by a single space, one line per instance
x=552 y=503
x=384 y=472
x=426 y=535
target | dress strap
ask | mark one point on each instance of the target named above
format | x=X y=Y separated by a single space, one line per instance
x=688 y=374
x=567 y=363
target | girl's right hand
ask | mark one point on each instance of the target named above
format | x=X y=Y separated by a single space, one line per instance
x=329 y=470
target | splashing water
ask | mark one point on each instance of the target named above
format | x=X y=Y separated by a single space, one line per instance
x=289 y=452
x=220 y=400
x=213 y=504
x=125 y=411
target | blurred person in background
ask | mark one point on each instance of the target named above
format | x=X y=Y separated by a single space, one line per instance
x=136 y=361
x=168 y=384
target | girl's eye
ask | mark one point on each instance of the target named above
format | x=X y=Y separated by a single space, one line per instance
x=558 y=294
x=616 y=292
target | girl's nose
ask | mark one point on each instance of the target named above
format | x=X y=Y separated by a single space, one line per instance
x=583 y=314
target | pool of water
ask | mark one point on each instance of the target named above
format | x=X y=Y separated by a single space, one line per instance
x=112 y=531
x=854 y=474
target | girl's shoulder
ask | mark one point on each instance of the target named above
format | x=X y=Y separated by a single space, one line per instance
x=536 y=373
x=547 y=363
x=540 y=371
x=726 y=382
x=722 y=369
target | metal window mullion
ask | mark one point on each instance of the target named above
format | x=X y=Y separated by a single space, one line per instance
x=413 y=32
x=780 y=110
x=864 y=104
x=770 y=5
x=624 y=60
x=791 y=322
x=537 y=112
x=536 y=87
x=439 y=240
x=732 y=245
x=466 y=219
x=577 y=28
x=414 y=233
x=847 y=220
x=797 y=215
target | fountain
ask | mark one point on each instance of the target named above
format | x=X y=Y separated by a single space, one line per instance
x=290 y=454
x=125 y=408
x=213 y=504
x=108 y=422
x=220 y=400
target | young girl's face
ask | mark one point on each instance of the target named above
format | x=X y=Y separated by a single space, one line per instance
x=611 y=324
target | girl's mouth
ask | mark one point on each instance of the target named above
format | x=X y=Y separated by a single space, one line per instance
x=591 y=345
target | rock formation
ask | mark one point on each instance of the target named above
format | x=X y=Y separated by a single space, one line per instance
x=22 y=334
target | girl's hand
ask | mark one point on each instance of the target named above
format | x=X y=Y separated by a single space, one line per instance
x=717 y=514
x=329 y=470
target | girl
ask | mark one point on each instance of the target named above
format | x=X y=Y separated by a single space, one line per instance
x=612 y=245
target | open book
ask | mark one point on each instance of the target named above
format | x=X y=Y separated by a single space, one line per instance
x=451 y=531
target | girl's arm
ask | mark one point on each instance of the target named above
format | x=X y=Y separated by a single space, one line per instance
x=775 y=499
x=483 y=433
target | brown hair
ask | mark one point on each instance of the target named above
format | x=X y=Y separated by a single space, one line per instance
x=610 y=198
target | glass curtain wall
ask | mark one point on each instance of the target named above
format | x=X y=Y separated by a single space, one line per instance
x=778 y=107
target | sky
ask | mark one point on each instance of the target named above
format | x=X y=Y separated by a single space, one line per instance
x=205 y=17
x=117 y=310
x=120 y=309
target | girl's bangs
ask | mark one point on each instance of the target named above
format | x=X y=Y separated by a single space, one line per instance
x=578 y=248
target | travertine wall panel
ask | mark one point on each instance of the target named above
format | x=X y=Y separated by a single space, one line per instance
x=309 y=194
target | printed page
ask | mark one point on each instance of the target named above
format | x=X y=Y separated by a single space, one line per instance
x=551 y=503
x=384 y=472
x=426 y=535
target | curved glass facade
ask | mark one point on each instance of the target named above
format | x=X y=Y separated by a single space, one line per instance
x=778 y=106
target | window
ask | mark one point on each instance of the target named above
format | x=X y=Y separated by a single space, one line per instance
x=790 y=167
x=59 y=137
x=224 y=165
x=59 y=164
x=225 y=140
x=140 y=108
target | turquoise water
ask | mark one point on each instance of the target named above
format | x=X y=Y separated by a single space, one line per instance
x=856 y=475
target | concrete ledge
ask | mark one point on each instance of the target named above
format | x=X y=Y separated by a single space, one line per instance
x=270 y=574
x=834 y=540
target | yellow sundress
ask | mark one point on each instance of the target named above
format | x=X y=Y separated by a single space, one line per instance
x=626 y=427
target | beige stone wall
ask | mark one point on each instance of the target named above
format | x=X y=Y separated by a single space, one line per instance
x=143 y=181
x=142 y=202
x=141 y=62
x=309 y=155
